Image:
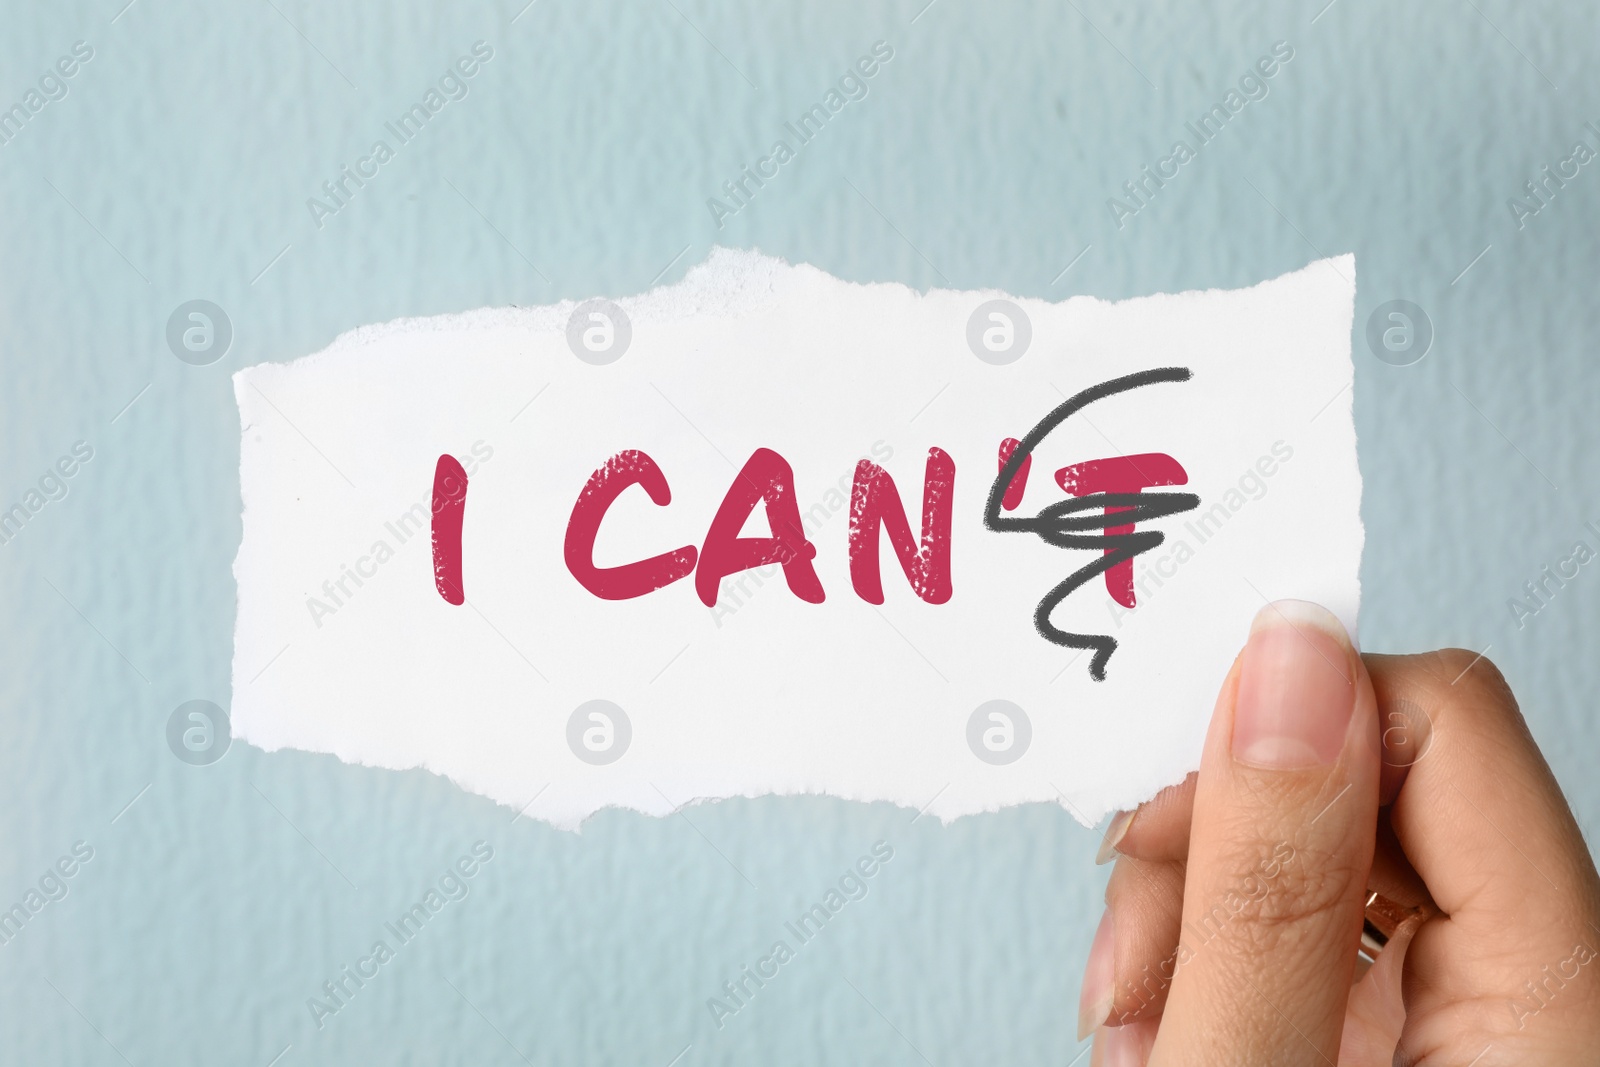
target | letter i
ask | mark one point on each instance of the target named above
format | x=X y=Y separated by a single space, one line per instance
x=449 y=508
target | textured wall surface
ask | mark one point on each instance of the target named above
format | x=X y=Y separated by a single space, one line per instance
x=177 y=166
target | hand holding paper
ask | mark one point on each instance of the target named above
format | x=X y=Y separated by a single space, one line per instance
x=1332 y=782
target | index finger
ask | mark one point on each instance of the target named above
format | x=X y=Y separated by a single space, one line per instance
x=1479 y=800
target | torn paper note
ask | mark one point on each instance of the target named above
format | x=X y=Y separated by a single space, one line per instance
x=765 y=531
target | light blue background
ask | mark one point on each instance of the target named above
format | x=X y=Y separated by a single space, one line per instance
x=178 y=167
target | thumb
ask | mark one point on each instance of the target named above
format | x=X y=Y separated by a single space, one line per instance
x=1285 y=816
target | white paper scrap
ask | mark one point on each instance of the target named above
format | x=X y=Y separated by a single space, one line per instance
x=745 y=535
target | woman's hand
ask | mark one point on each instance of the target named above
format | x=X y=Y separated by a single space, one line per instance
x=1236 y=906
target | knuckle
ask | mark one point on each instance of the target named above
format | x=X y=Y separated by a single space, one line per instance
x=1282 y=895
x=1456 y=689
x=1307 y=894
x=1466 y=689
x=1473 y=675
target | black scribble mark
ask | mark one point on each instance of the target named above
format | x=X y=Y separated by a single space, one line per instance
x=1064 y=524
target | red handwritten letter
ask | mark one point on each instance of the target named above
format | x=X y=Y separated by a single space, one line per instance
x=628 y=467
x=449 y=509
x=875 y=503
x=1121 y=474
x=766 y=476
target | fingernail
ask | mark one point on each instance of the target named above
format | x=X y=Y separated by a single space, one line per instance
x=1114 y=835
x=1120 y=1046
x=1296 y=691
x=1094 y=1003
